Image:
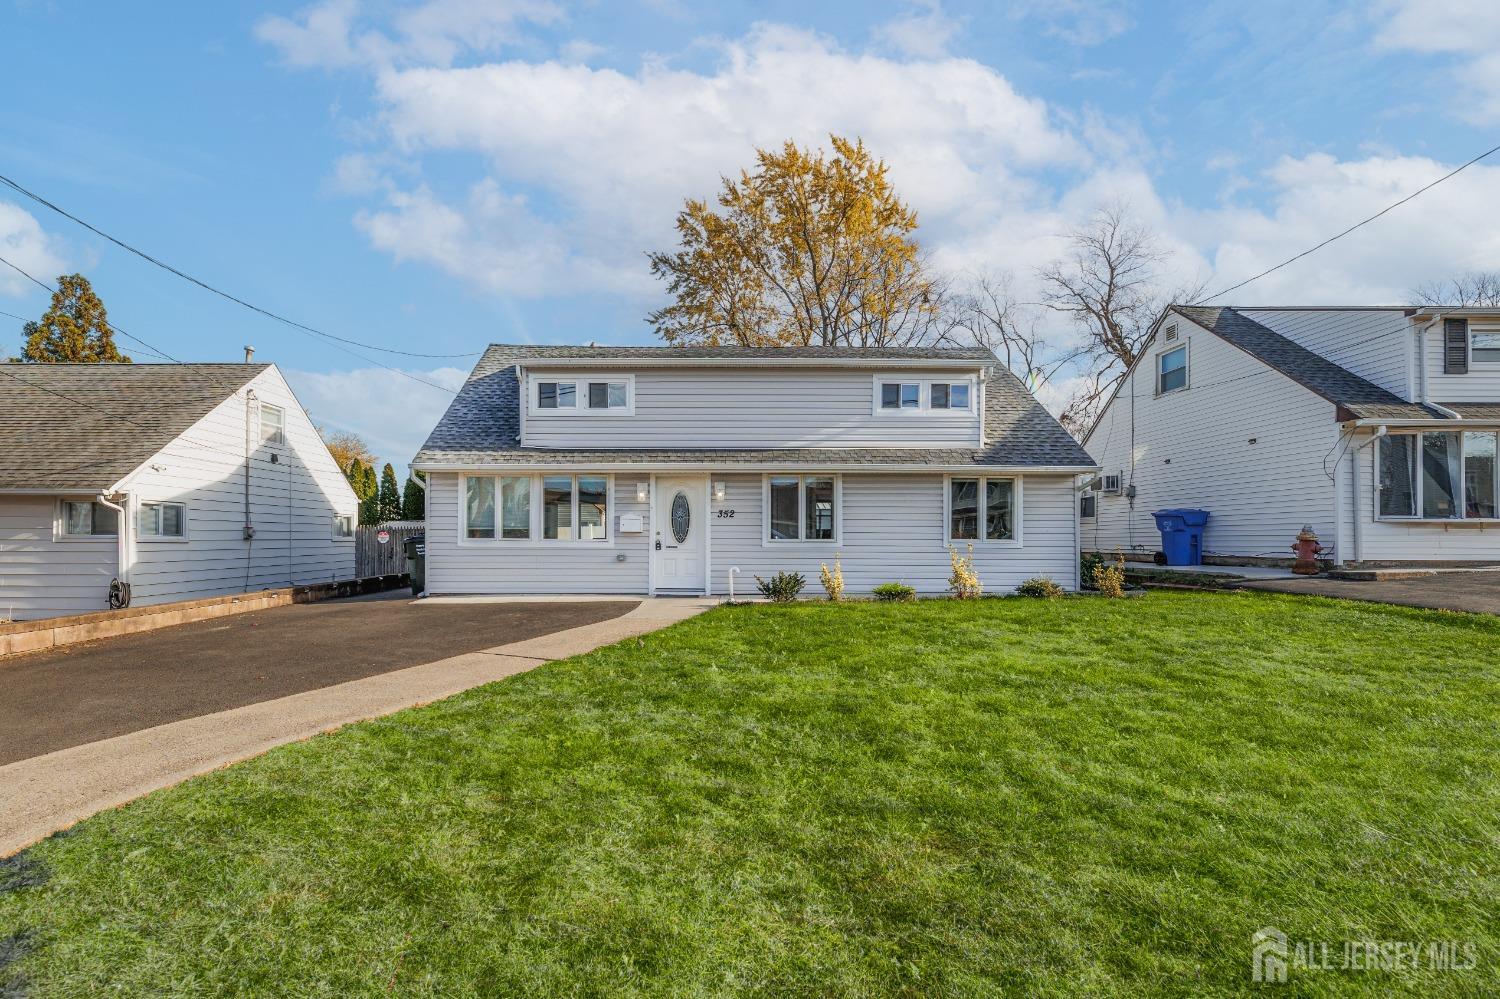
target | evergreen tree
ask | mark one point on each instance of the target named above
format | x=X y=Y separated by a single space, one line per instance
x=414 y=499
x=369 y=495
x=390 y=494
x=75 y=330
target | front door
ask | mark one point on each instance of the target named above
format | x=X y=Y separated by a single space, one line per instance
x=680 y=545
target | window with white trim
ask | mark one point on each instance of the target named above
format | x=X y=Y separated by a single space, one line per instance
x=802 y=508
x=272 y=424
x=530 y=508
x=161 y=520
x=1172 y=370
x=597 y=395
x=1484 y=346
x=88 y=519
x=982 y=509
x=1444 y=475
x=902 y=396
x=1088 y=506
x=343 y=527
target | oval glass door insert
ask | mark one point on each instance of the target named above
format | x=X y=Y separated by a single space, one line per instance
x=682 y=516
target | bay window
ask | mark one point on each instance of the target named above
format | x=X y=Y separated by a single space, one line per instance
x=801 y=508
x=1439 y=475
x=983 y=509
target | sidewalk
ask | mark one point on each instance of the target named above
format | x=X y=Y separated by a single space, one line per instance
x=41 y=795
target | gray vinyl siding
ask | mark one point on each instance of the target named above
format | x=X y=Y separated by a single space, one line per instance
x=1481 y=383
x=462 y=565
x=893 y=531
x=293 y=502
x=1373 y=343
x=1194 y=449
x=43 y=576
x=707 y=408
x=891 y=524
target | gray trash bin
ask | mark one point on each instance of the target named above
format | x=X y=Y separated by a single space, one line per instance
x=416 y=562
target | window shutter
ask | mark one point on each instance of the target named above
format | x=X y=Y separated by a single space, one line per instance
x=1455 y=346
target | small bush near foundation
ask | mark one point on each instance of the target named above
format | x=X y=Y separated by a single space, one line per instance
x=1039 y=586
x=964 y=584
x=1109 y=580
x=781 y=588
x=898 y=592
x=833 y=580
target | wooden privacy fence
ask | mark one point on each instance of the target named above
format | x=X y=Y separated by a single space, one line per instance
x=371 y=558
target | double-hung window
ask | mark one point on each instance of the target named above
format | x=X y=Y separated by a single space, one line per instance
x=155 y=521
x=1484 y=346
x=802 y=508
x=984 y=509
x=88 y=519
x=528 y=508
x=272 y=424
x=1445 y=475
x=1172 y=370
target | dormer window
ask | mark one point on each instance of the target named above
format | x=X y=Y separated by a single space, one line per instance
x=1484 y=346
x=901 y=397
x=585 y=395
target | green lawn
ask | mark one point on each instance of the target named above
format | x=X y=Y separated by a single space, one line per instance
x=1077 y=797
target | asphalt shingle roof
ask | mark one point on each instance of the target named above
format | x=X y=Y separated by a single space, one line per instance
x=1340 y=386
x=482 y=425
x=86 y=426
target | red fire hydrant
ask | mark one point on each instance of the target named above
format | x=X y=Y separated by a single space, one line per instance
x=1307 y=550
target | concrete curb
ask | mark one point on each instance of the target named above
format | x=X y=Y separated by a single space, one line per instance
x=46 y=793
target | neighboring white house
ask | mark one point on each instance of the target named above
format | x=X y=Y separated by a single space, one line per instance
x=180 y=480
x=1376 y=426
x=659 y=470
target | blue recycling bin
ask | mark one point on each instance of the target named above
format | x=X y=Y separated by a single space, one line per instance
x=1182 y=535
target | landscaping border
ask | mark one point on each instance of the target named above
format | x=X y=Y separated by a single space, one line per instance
x=17 y=637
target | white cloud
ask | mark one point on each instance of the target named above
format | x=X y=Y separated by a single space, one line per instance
x=1435 y=236
x=923 y=32
x=1469 y=29
x=24 y=243
x=337 y=33
x=615 y=154
x=360 y=401
x=1077 y=22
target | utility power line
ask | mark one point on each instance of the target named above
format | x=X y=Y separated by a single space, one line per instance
x=8 y=182
x=154 y=351
x=1362 y=222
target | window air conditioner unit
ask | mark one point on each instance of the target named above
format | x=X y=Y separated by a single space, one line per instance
x=1112 y=484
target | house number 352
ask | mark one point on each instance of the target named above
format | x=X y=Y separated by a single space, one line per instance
x=723 y=514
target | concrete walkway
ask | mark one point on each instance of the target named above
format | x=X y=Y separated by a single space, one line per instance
x=41 y=795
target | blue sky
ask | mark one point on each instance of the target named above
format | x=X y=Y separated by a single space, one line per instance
x=435 y=175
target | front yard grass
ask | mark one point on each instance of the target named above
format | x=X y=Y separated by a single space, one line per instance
x=1070 y=797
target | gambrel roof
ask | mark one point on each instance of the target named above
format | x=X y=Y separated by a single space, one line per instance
x=84 y=427
x=482 y=425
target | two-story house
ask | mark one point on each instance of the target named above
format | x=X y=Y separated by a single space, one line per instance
x=659 y=470
x=1376 y=426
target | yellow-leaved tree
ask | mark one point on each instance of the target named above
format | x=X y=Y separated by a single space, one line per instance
x=806 y=249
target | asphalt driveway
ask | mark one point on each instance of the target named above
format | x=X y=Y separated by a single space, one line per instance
x=1478 y=592
x=69 y=697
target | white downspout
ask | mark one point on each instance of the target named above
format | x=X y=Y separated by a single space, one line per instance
x=1380 y=432
x=1422 y=369
x=123 y=559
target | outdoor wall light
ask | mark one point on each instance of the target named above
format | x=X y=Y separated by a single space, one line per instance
x=719 y=491
x=640 y=492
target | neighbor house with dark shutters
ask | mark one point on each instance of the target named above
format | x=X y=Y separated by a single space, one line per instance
x=1375 y=426
x=662 y=470
x=154 y=483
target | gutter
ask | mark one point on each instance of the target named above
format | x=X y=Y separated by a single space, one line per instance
x=667 y=467
x=858 y=363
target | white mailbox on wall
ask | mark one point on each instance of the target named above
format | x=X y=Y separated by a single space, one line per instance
x=631 y=523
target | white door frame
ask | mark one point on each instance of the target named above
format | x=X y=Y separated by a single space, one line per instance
x=707 y=529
